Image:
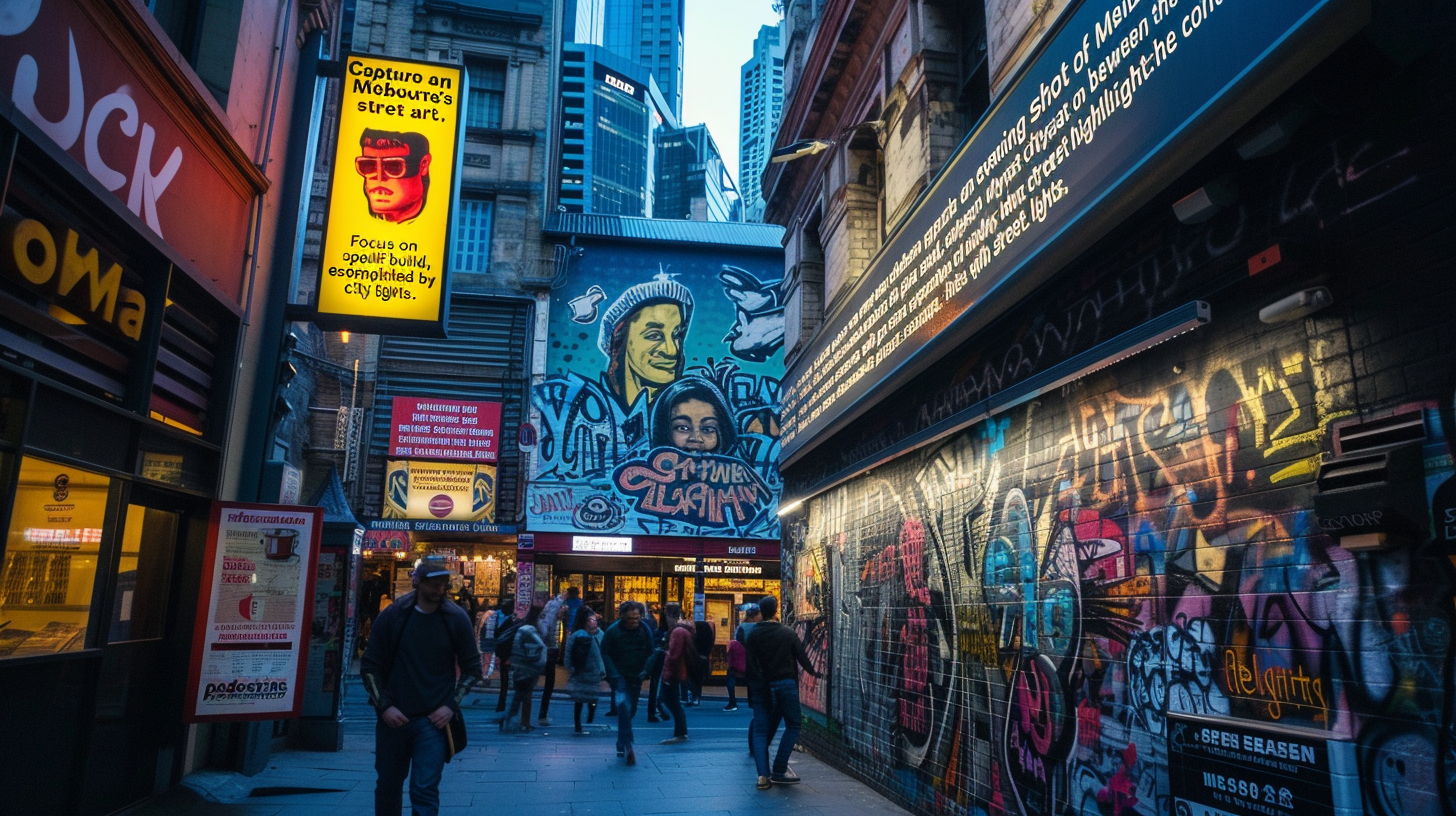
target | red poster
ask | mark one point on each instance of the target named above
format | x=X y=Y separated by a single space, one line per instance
x=250 y=642
x=426 y=428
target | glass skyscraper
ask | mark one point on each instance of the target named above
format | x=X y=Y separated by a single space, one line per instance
x=762 y=99
x=611 y=113
x=650 y=33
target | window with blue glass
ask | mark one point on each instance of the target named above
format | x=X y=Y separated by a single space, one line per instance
x=472 y=235
x=487 y=93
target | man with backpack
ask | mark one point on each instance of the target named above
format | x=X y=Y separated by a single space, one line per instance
x=409 y=671
x=528 y=660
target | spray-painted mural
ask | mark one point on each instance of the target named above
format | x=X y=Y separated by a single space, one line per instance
x=1027 y=617
x=1017 y=613
x=661 y=412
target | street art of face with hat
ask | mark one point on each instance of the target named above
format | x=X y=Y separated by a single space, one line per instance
x=666 y=420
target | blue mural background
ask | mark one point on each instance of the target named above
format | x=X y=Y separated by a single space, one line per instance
x=606 y=459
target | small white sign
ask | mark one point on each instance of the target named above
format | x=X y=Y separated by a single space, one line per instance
x=601 y=544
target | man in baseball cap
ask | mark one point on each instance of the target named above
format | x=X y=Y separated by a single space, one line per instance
x=409 y=672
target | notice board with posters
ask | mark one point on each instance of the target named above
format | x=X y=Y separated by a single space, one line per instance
x=384 y=264
x=250 y=642
x=1223 y=767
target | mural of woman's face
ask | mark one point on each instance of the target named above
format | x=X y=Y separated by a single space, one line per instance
x=654 y=344
x=694 y=426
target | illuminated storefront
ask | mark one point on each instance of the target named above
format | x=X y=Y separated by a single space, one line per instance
x=126 y=234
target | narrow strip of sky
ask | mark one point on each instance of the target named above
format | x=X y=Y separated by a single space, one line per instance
x=717 y=40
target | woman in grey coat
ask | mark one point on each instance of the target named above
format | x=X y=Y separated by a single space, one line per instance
x=584 y=658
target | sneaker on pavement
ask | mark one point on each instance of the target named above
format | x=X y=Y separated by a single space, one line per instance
x=673 y=740
x=621 y=752
x=786 y=778
x=733 y=707
x=654 y=719
x=763 y=783
x=544 y=723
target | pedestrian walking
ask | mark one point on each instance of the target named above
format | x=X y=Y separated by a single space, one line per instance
x=703 y=639
x=656 y=711
x=418 y=647
x=549 y=626
x=751 y=616
x=676 y=669
x=625 y=649
x=528 y=661
x=505 y=634
x=774 y=655
x=736 y=665
x=584 y=659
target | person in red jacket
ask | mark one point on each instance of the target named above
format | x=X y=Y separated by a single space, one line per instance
x=676 y=670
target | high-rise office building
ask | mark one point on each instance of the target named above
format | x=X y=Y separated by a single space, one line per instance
x=762 y=101
x=611 y=110
x=692 y=181
x=583 y=21
x=650 y=33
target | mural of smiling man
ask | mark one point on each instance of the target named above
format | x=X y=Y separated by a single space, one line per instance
x=660 y=415
x=642 y=336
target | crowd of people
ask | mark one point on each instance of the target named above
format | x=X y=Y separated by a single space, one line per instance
x=426 y=651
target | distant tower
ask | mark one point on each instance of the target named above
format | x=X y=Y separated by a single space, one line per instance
x=650 y=33
x=762 y=102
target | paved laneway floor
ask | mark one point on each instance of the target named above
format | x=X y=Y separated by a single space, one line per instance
x=548 y=772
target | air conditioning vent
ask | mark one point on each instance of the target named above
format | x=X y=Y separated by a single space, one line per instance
x=1375 y=434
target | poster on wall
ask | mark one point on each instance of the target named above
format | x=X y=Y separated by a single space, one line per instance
x=1221 y=767
x=383 y=266
x=249 y=648
x=660 y=411
x=810 y=588
x=428 y=428
x=439 y=490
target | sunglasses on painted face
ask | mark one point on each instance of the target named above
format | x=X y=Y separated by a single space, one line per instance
x=392 y=167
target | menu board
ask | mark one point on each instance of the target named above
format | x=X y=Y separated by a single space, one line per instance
x=250 y=643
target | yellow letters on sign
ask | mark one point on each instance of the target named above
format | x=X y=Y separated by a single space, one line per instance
x=28 y=253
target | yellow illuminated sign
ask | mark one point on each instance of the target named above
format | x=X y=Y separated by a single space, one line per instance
x=447 y=491
x=386 y=242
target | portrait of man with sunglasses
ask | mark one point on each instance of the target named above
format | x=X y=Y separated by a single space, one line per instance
x=396 y=171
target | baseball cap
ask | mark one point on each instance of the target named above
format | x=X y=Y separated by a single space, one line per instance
x=748 y=608
x=432 y=566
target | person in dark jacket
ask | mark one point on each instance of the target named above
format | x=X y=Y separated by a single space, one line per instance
x=625 y=649
x=774 y=655
x=703 y=639
x=410 y=673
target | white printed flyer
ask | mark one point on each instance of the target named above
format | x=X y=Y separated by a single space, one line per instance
x=250 y=643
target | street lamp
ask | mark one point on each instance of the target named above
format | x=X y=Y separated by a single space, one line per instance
x=811 y=147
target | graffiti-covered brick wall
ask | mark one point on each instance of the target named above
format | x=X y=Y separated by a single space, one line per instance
x=1118 y=596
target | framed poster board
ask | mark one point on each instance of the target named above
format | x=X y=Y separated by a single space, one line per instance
x=250 y=642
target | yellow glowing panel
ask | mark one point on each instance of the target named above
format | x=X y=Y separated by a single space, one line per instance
x=386 y=241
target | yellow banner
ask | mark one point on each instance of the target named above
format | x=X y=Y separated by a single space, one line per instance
x=439 y=490
x=386 y=241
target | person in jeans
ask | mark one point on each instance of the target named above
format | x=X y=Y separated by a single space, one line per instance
x=416 y=649
x=625 y=649
x=774 y=655
x=528 y=662
x=676 y=669
x=549 y=625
